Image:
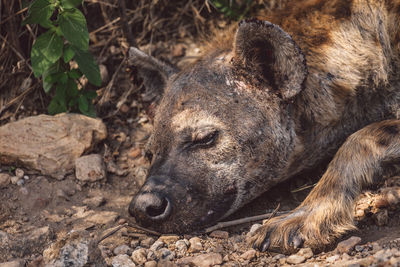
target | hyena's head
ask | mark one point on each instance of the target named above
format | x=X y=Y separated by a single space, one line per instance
x=223 y=131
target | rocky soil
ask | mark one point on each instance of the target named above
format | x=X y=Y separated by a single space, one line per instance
x=80 y=218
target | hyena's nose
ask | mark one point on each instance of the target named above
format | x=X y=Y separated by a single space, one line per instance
x=150 y=206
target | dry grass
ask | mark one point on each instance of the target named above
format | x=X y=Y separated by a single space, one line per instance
x=156 y=26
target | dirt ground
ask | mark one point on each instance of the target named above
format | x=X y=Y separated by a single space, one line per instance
x=41 y=211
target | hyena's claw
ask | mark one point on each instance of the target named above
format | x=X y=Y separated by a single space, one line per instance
x=265 y=245
x=296 y=241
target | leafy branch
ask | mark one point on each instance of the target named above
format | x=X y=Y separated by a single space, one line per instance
x=66 y=40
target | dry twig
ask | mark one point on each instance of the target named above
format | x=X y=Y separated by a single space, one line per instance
x=245 y=220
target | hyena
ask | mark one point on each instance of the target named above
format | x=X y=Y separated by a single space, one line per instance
x=312 y=81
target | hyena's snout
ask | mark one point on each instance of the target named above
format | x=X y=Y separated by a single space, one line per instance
x=151 y=204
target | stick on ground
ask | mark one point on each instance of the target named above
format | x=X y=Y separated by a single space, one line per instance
x=245 y=220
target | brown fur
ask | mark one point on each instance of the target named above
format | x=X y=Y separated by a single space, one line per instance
x=267 y=102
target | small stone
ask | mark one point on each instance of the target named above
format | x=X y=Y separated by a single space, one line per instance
x=122 y=249
x=278 y=257
x=134 y=243
x=150 y=264
x=249 y=255
x=157 y=245
x=195 y=244
x=151 y=256
x=306 y=252
x=19 y=173
x=219 y=234
x=121 y=221
x=5 y=180
x=381 y=217
x=139 y=256
x=346 y=257
x=103 y=73
x=295 y=259
x=165 y=254
x=203 y=260
x=20 y=182
x=122 y=260
x=146 y=243
x=333 y=258
x=14 y=263
x=26 y=177
x=169 y=239
x=347 y=245
x=96 y=201
x=102 y=217
x=90 y=168
x=14 y=180
x=181 y=246
x=254 y=228
x=358 y=248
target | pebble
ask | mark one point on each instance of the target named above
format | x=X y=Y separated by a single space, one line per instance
x=14 y=263
x=220 y=234
x=26 y=177
x=203 y=260
x=134 y=243
x=195 y=244
x=19 y=173
x=139 y=256
x=151 y=256
x=20 y=182
x=122 y=249
x=169 y=239
x=5 y=180
x=249 y=255
x=14 y=179
x=157 y=245
x=278 y=257
x=381 y=217
x=181 y=246
x=254 y=228
x=150 y=264
x=90 y=168
x=306 y=252
x=96 y=201
x=347 y=245
x=122 y=260
x=333 y=258
x=295 y=259
x=165 y=254
x=146 y=243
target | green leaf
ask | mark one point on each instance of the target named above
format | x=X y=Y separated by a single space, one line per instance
x=90 y=94
x=91 y=111
x=73 y=26
x=88 y=66
x=58 y=103
x=39 y=62
x=72 y=89
x=39 y=12
x=71 y=3
x=50 y=45
x=55 y=68
x=68 y=53
x=75 y=74
x=83 y=104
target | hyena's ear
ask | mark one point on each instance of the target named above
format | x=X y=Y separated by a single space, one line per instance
x=266 y=50
x=155 y=73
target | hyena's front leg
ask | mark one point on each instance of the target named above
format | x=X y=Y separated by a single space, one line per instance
x=327 y=212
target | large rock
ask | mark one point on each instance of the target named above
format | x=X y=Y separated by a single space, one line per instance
x=49 y=144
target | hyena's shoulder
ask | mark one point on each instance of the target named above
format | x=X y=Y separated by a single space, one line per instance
x=351 y=47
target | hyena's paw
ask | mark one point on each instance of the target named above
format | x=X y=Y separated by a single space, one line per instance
x=313 y=227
